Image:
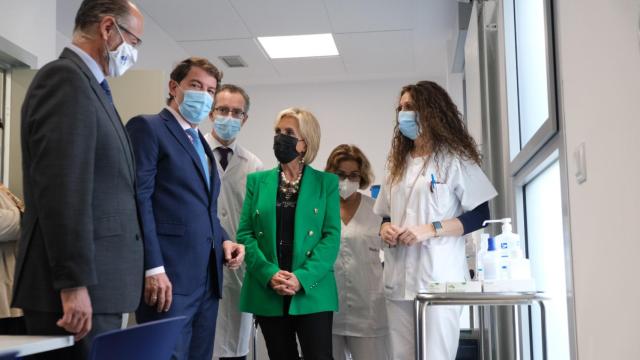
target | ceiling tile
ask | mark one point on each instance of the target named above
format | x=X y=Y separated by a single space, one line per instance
x=309 y=67
x=196 y=19
x=371 y=15
x=376 y=52
x=362 y=30
x=283 y=17
x=259 y=67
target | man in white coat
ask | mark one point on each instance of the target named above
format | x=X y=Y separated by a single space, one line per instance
x=11 y=209
x=230 y=113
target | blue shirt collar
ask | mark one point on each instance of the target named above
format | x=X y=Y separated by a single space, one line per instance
x=89 y=61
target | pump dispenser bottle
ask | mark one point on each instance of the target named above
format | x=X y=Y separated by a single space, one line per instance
x=513 y=264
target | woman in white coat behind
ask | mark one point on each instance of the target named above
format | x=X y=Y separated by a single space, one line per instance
x=360 y=327
x=435 y=192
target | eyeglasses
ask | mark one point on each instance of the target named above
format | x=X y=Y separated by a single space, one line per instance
x=354 y=176
x=224 y=111
x=138 y=41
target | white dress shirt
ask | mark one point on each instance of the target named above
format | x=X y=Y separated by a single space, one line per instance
x=90 y=62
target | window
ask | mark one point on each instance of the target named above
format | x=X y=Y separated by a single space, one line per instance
x=530 y=77
x=545 y=248
x=538 y=172
x=532 y=67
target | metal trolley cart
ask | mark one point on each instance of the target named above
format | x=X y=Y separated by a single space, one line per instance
x=423 y=300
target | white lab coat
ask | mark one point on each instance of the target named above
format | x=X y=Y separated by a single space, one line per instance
x=9 y=236
x=461 y=186
x=233 y=328
x=358 y=273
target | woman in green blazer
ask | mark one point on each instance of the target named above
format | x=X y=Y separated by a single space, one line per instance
x=290 y=226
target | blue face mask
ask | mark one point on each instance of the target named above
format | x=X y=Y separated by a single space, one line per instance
x=227 y=127
x=196 y=106
x=408 y=124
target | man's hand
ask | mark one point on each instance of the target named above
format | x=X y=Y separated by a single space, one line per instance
x=233 y=254
x=389 y=233
x=158 y=291
x=416 y=234
x=77 y=311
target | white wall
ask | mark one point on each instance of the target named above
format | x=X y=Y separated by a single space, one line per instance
x=360 y=113
x=30 y=25
x=61 y=41
x=599 y=56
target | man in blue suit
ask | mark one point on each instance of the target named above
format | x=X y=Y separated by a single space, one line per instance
x=177 y=192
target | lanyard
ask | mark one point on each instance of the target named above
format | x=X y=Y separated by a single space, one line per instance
x=413 y=186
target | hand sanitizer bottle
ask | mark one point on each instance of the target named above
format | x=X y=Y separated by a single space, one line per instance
x=508 y=243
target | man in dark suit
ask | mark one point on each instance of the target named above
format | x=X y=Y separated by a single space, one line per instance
x=177 y=194
x=80 y=258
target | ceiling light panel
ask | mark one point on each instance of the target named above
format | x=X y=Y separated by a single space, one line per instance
x=299 y=46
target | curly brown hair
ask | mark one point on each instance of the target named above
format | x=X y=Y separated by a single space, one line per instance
x=440 y=125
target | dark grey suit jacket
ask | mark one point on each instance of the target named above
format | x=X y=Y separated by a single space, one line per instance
x=80 y=227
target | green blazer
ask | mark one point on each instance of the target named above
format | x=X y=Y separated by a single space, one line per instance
x=316 y=243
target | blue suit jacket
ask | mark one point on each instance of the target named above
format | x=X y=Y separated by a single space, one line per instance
x=178 y=213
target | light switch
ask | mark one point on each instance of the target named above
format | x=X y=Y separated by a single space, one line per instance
x=580 y=157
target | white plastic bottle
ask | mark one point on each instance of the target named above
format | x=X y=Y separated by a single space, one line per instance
x=482 y=252
x=509 y=246
x=491 y=261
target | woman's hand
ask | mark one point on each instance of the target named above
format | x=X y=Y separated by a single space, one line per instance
x=389 y=233
x=291 y=281
x=285 y=283
x=416 y=234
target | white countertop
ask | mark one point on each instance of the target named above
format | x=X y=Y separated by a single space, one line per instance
x=27 y=345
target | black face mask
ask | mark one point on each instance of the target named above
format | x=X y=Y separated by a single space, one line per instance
x=284 y=147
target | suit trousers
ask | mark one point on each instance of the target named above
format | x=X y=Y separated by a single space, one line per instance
x=44 y=323
x=313 y=331
x=198 y=333
x=13 y=326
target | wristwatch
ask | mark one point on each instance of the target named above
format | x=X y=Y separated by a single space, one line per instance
x=437 y=226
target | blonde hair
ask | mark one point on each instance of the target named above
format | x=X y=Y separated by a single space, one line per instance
x=309 y=130
x=346 y=152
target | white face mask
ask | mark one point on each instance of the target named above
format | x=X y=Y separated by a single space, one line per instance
x=122 y=58
x=347 y=188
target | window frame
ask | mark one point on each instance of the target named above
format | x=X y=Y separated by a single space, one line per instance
x=547 y=145
x=5 y=79
x=550 y=126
